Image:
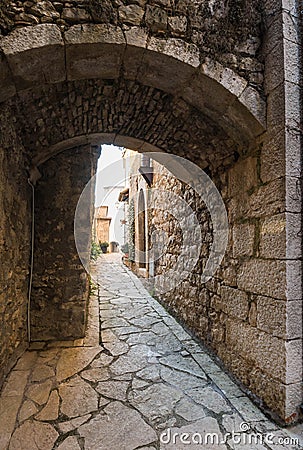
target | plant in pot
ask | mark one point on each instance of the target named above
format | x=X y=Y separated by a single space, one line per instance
x=104 y=246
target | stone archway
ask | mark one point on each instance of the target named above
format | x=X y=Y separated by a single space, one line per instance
x=66 y=89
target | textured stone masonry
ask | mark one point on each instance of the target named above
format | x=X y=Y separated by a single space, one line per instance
x=213 y=27
x=60 y=284
x=215 y=82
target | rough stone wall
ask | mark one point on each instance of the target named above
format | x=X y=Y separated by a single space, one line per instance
x=15 y=207
x=60 y=284
x=60 y=112
x=241 y=313
x=228 y=31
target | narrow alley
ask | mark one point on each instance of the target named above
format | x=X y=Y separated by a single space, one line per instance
x=147 y=385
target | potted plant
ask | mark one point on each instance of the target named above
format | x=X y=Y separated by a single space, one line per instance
x=124 y=249
x=95 y=251
x=104 y=246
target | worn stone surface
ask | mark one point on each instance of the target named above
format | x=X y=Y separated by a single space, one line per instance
x=70 y=443
x=28 y=409
x=119 y=423
x=39 y=393
x=230 y=31
x=14 y=244
x=33 y=435
x=96 y=403
x=213 y=310
x=59 y=307
x=74 y=360
x=51 y=409
x=78 y=398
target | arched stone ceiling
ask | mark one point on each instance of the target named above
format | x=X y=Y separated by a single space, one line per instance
x=42 y=55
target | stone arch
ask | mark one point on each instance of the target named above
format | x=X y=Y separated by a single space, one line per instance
x=42 y=55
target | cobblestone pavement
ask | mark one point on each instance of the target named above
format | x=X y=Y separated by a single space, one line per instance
x=144 y=387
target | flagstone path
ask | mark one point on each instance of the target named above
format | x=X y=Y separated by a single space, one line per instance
x=136 y=381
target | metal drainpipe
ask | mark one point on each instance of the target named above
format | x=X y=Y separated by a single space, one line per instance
x=34 y=176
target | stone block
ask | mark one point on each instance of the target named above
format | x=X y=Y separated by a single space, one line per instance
x=294 y=324
x=35 y=54
x=243 y=239
x=276 y=109
x=271 y=316
x=275 y=36
x=273 y=157
x=293 y=195
x=263 y=277
x=242 y=177
x=136 y=40
x=294 y=279
x=292 y=71
x=156 y=18
x=274 y=69
x=255 y=104
x=293 y=146
x=131 y=14
x=272 y=391
x=209 y=96
x=75 y=15
x=291 y=28
x=128 y=142
x=292 y=105
x=264 y=351
x=267 y=200
x=176 y=48
x=294 y=361
x=291 y=7
x=94 y=51
x=234 y=302
x=273 y=237
x=224 y=76
x=177 y=25
x=168 y=64
x=247 y=124
x=293 y=399
x=7 y=86
x=293 y=236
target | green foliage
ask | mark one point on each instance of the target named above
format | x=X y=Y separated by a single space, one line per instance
x=93 y=288
x=104 y=244
x=95 y=251
x=125 y=248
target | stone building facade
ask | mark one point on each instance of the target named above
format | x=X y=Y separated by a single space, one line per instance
x=240 y=300
x=214 y=82
x=101 y=224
